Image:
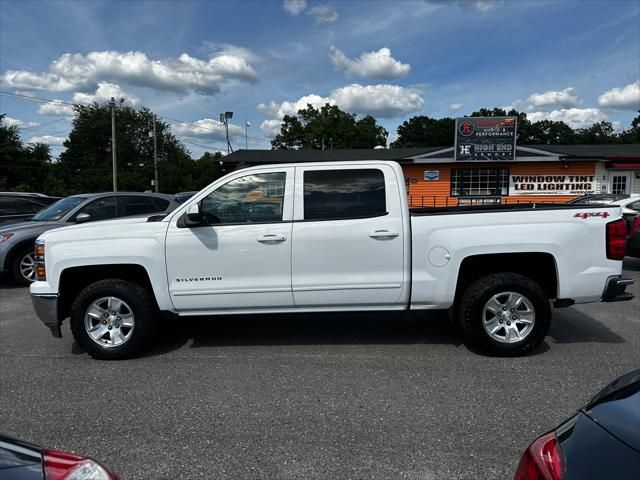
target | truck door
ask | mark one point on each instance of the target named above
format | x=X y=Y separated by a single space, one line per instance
x=240 y=257
x=348 y=238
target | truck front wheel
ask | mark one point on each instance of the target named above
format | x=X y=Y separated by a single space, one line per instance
x=504 y=314
x=112 y=319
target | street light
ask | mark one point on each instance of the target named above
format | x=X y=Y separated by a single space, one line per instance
x=224 y=118
x=246 y=136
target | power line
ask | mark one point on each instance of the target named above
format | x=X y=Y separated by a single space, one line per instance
x=35 y=99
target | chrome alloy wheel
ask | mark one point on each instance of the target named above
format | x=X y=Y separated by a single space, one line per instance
x=109 y=321
x=28 y=267
x=508 y=317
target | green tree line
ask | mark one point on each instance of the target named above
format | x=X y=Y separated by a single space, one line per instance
x=86 y=163
x=330 y=127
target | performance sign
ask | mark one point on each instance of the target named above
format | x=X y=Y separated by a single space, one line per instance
x=551 y=184
x=485 y=138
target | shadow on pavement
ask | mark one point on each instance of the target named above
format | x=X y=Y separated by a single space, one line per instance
x=7 y=282
x=307 y=329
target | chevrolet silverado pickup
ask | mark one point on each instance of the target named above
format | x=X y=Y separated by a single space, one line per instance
x=328 y=237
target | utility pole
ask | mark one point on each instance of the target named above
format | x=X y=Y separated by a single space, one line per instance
x=112 y=104
x=155 y=155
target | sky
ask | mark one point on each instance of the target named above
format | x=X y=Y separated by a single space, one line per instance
x=188 y=61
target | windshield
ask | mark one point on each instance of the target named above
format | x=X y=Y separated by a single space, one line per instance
x=58 y=209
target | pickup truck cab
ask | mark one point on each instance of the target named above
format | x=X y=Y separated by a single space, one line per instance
x=324 y=237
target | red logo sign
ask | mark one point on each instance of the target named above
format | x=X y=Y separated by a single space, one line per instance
x=466 y=129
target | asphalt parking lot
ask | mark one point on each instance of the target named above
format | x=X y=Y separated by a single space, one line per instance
x=322 y=396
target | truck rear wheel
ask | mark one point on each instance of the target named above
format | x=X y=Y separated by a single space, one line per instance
x=112 y=319
x=504 y=314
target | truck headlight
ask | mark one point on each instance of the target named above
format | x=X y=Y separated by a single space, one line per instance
x=41 y=273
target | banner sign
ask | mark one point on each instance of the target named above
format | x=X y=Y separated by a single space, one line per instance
x=469 y=201
x=485 y=138
x=551 y=184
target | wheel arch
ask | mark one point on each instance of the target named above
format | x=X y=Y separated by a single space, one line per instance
x=74 y=279
x=11 y=254
x=541 y=267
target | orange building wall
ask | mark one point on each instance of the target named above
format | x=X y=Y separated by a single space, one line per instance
x=438 y=193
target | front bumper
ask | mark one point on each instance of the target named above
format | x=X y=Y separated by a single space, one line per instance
x=615 y=289
x=46 y=307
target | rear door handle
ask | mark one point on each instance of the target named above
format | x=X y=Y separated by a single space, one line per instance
x=271 y=237
x=383 y=234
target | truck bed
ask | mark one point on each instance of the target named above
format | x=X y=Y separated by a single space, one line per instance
x=512 y=207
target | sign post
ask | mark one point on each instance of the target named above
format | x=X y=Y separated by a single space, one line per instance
x=485 y=139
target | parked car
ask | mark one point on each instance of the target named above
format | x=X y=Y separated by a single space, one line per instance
x=17 y=206
x=633 y=242
x=182 y=197
x=16 y=240
x=23 y=461
x=630 y=206
x=598 y=198
x=343 y=240
x=602 y=440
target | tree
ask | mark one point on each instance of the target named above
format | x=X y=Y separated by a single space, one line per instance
x=423 y=131
x=601 y=132
x=22 y=167
x=86 y=164
x=328 y=128
x=206 y=169
x=632 y=135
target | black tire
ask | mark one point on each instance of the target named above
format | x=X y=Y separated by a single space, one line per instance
x=16 y=262
x=476 y=296
x=142 y=306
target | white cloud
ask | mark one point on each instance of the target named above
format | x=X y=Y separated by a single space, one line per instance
x=560 y=98
x=205 y=128
x=378 y=64
x=455 y=106
x=78 y=72
x=56 y=108
x=323 y=13
x=384 y=101
x=294 y=7
x=103 y=94
x=18 y=123
x=574 y=117
x=626 y=98
x=48 y=139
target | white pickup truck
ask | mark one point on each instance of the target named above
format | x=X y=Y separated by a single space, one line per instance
x=328 y=237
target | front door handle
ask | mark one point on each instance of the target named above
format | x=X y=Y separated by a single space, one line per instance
x=383 y=234
x=271 y=237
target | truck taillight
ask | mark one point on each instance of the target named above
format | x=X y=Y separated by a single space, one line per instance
x=41 y=273
x=617 y=232
x=67 y=466
x=543 y=460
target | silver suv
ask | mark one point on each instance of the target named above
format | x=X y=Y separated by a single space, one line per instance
x=16 y=240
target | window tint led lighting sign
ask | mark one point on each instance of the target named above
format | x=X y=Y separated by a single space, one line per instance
x=485 y=139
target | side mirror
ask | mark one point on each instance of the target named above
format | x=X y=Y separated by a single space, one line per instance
x=83 y=217
x=193 y=217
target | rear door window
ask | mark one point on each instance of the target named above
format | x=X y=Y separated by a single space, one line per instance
x=342 y=194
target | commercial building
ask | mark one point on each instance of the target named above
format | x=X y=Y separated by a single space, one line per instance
x=538 y=173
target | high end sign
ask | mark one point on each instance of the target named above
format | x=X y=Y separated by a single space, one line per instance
x=485 y=138
x=551 y=184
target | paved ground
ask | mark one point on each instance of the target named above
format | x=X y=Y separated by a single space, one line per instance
x=349 y=396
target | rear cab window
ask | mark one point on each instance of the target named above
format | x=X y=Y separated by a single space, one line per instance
x=343 y=194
